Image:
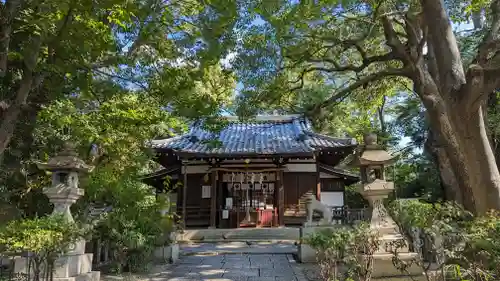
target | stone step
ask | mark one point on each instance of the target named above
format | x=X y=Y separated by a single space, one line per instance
x=203 y=248
x=240 y=234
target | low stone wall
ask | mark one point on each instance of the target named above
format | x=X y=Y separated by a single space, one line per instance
x=168 y=253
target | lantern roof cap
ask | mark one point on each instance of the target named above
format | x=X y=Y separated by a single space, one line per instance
x=371 y=153
x=66 y=160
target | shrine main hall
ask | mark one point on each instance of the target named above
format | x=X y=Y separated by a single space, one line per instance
x=259 y=173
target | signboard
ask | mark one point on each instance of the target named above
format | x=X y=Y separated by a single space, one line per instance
x=229 y=203
x=205 y=191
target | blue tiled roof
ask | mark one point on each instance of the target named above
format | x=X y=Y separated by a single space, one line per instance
x=289 y=135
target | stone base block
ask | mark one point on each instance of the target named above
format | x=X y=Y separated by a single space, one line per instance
x=387 y=240
x=64 y=267
x=78 y=248
x=401 y=278
x=168 y=253
x=384 y=268
x=89 y=276
x=306 y=254
x=306 y=231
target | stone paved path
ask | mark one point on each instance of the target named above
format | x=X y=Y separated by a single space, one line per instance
x=235 y=267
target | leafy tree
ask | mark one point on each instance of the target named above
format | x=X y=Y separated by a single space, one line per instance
x=109 y=76
x=52 y=49
x=361 y=46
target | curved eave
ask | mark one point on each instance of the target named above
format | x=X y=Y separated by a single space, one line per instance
x=155 y=176
x=189 y=154
x=349 y=177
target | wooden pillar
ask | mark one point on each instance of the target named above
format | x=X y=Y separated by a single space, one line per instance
x=213 y=200
x=221 y=201
x=184 y=195
x=280 y=194
x=317 y=190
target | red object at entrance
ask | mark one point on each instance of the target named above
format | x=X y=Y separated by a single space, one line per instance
x=265 y=217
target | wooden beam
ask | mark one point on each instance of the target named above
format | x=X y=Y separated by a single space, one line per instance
x=280 y=194
x=213 y=200
x=220 y=199
x=317 y=190
x=184 y=196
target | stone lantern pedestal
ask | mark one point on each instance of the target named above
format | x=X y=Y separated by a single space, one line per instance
x=64 y=191
x=372 y=159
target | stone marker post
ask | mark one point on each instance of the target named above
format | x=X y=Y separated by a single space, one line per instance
x=64 y=191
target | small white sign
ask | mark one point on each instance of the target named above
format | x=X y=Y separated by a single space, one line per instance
x=205 y=191
x=225 y=214
x=229 y=203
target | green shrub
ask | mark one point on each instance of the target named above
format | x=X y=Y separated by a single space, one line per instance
x=134 y=232
x=461 y=246
x=44 y=238
x=345 y=253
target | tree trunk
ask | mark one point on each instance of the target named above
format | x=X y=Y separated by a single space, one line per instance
x=492 y=109
x=481 y=159
x=447 y=176
x=453 y=99
x=469 y=152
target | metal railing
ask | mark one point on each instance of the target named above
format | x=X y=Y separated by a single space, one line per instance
x=350 y=215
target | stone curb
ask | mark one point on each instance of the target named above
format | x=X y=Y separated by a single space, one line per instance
x=256 y=241
x=215 y=253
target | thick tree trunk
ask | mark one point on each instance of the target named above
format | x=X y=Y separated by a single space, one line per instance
x=452 y=98
x=483 y=167
x=448 y=179
x=470 y=155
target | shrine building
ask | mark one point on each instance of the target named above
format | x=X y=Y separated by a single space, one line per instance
x=260 y=173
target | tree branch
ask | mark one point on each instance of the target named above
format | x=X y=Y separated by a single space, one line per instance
x=8 y=12
x=445 y=47
x=491 y=41
x=29 y=81
x=393 y=41
x=56 y=41
x=367 y=61
x=359 y=83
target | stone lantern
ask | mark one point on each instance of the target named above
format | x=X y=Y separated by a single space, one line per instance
x=75 y=264
x=372 y=159
x=64 y=191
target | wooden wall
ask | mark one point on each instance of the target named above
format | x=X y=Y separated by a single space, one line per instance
x=197 y=209
x=332 y=184
x=298 y=187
